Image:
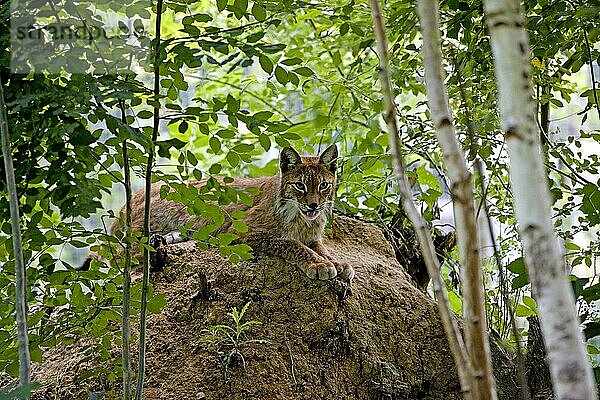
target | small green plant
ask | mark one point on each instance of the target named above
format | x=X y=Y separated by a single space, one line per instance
x=388 y=385
x=230 y=340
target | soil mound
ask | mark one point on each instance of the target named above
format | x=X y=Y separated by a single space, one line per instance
x=380 y=338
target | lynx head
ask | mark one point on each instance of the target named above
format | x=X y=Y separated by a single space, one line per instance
x=307 y=184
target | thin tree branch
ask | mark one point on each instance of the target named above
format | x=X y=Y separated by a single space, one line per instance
x=148 y=184
x=483 y=385
x=20 y=274
x=521 y=369
x=522 y=373
x=425 y=240
x=591 y=64
x=126 y=327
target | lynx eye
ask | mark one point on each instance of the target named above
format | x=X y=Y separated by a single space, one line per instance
x=323 y=186
x=299 y=186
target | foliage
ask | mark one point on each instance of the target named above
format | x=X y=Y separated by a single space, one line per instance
x=230 y=340
x=22 y=392
x=242 y=79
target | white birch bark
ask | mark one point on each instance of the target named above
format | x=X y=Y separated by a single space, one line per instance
x=461 y=188
x=571 y=373
x=432 y=263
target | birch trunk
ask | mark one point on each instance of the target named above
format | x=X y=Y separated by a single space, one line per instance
x=461 y=188
x=432 y=263
x=20 y=277
x=571 y=373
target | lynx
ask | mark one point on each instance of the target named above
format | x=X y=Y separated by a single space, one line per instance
x=286 y=218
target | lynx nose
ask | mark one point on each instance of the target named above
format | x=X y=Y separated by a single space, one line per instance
x=313 y=206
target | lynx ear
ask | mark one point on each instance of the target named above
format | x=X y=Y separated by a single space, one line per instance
x=288 y=159
x=329 y=158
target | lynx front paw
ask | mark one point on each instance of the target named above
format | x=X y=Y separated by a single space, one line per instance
x=322 y=270
x=344 y=271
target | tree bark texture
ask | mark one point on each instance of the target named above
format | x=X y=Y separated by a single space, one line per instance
x=571 y=373
x=424 y=235
x=20 y=277
x=461 y=189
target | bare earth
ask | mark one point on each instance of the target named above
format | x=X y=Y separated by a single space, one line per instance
x=380 y=339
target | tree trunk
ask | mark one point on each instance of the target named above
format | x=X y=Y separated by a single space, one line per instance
x=571 y=374
x=538 y=374
x=423 y=234
x=461 y=189
x=20 y=277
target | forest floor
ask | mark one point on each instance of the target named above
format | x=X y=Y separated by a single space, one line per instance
x=379 y=338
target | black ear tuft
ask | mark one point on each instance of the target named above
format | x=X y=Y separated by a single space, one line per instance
x=329 y=158
x=288 y=159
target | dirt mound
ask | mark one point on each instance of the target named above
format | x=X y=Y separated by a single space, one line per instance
x=379 y=339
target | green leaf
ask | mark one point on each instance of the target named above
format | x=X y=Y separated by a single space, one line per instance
x=145 y=114
x=239 y=226
x=81 y=138
x=203 y=18
x=530 y=302
x=263 y=115
x=259 y=12
x=165 y=145
x=36 y=355
x=243 y=148
x=221 y=4
x=455 y=302
x=578 y=285
x=592 y=329
x=12 y=369
x=520 y=281
x=233 y=158
x=215 y=144
x=265 y=142
x=191 y=158
x=281 y=75
x=291 y=61
x=156 y=303
x=591 y=293
x=226 y=133
x=344 y=28
x=233 y=104
x=253 y=38
x=183 y=127
x=523 y=311
x=226 y=238
x=572 y=246
x=239 y=8
x=590 y=205
x=517 y=266
x=293 y=78
x=265 y=63
x=215 y=169
x=304 y=71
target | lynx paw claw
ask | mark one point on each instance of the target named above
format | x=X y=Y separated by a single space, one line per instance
x=344 y=271
x=322 y=270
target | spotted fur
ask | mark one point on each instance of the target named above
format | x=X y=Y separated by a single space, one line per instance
x=286 y=219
